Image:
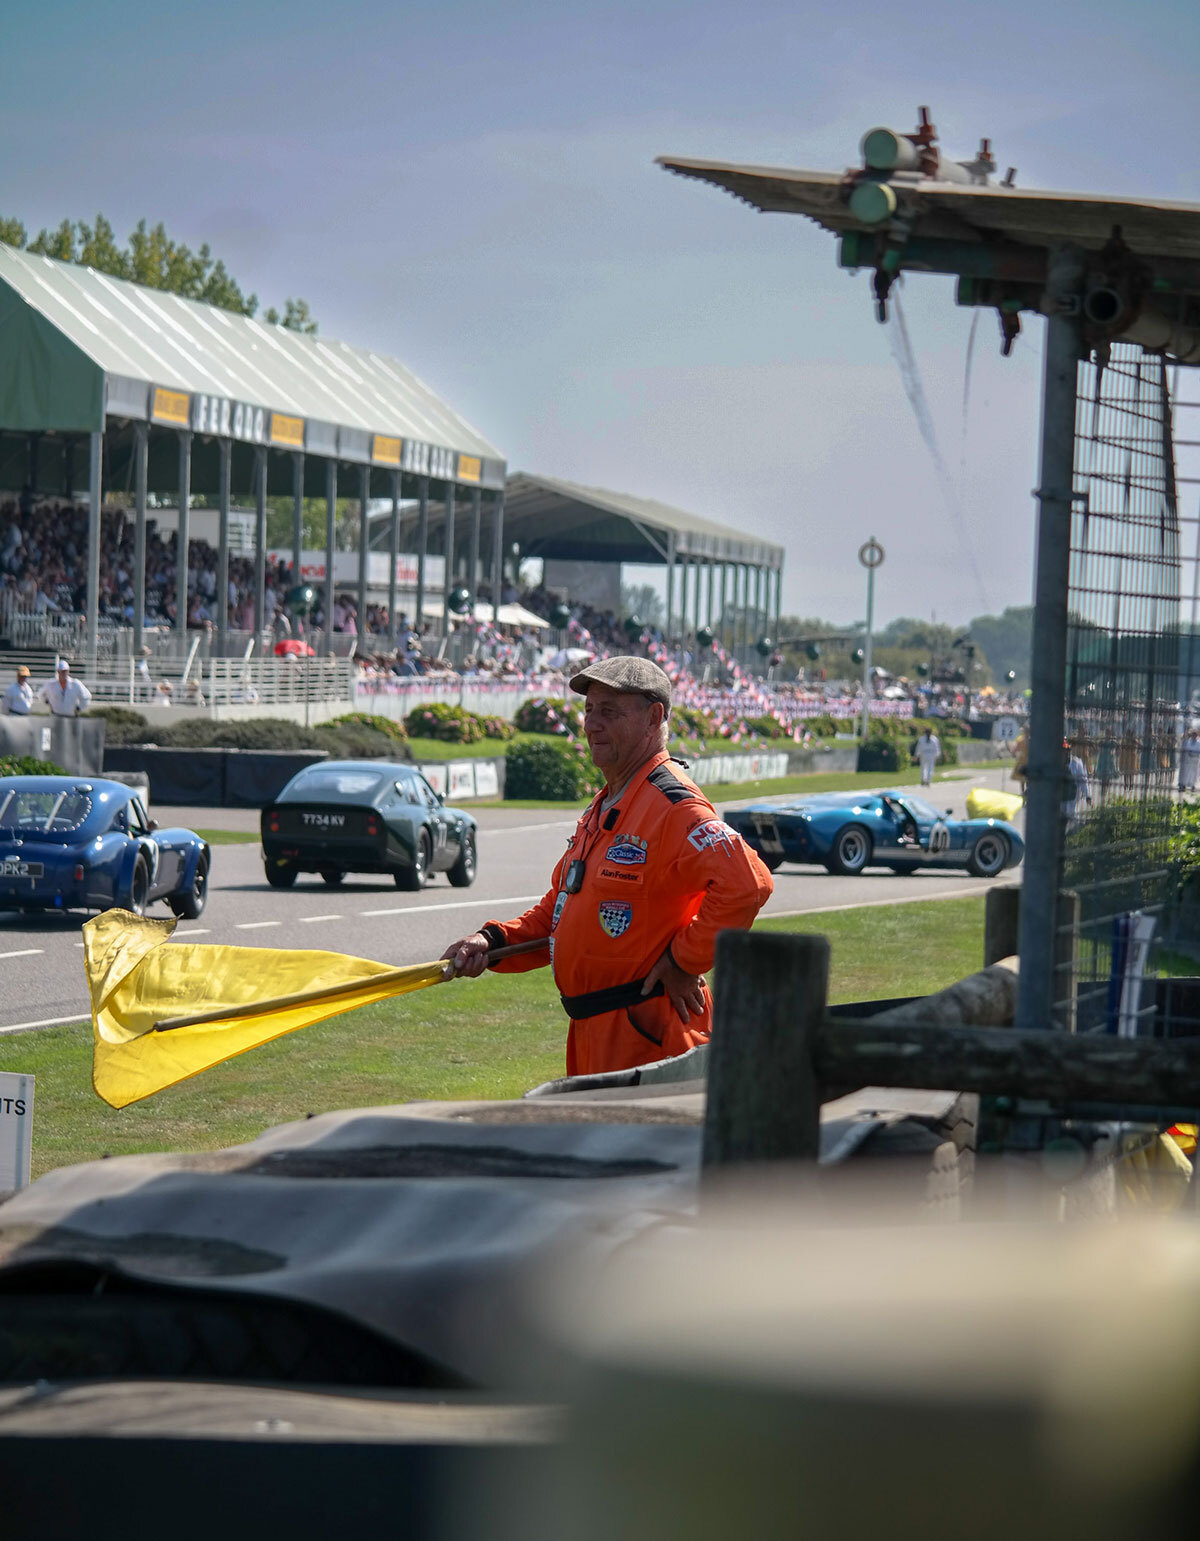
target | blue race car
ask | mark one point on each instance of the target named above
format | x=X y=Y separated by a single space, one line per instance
x=849 y=831
x=81 y=843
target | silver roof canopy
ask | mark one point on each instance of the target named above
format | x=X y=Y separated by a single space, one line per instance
x=77 y=345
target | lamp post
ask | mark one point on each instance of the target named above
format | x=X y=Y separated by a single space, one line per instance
x=871 y=555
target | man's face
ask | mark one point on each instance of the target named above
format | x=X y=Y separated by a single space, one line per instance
x=621 y=729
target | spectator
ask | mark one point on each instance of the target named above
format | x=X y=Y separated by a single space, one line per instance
x=66 y=697
x=17 y=700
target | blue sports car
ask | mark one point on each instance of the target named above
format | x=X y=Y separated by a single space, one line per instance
x=849 y=831
x=81 y=843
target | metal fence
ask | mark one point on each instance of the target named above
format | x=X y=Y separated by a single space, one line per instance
x=1128 y=747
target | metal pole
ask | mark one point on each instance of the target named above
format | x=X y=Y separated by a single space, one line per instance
x=393 y=553
x=225 y=451
x=498 y=558
x=866 y=679
x=141 y=455
x=422 y=548
x=670 y=588
x=183 y=538
x=710 y=567
x=760 y=612
x=297 y=515
x=449 y=542
x=95 y=500
x=261 y=619
x=1045 y=768
x=696 y=596
x=331 y=481
x=364 y=544
x=476 y=520
x=777 y=616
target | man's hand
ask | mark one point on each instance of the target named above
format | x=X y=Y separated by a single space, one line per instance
x=469 y=955
x=685 y=991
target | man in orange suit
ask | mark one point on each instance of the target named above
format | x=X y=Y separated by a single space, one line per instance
x=648 y=879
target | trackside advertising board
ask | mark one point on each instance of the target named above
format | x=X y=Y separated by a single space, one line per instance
x=16 y=1130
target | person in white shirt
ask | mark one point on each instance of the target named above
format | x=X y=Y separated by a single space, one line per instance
x=66 y=697
x=927 y=753
x=17 y=700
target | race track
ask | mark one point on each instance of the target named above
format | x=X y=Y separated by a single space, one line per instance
x=41 y=958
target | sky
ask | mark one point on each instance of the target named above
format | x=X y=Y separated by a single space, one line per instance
x=471 y=187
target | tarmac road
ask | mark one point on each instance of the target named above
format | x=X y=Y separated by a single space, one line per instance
x=41 y=958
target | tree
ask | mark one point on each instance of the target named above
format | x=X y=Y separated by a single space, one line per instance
x=296 y=318
x=312 y=524
x=642 y=600
x=150 y=257
x=1008 y=642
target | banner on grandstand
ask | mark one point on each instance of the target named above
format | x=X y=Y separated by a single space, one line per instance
x=345 y=568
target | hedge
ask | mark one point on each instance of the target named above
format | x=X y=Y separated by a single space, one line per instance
x=455 y=725
x=122 y=725
x=555 y=771
x=388 y=726
x=550 y=714
x=26 y=765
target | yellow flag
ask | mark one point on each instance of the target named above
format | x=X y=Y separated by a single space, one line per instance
x=225 y=1000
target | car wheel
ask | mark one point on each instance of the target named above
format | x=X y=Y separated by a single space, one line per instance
x=989 y=856
x=412 y=879
x=139 y=887
x=280 y=874
x=332 y=879
x=462 y=874
x=851 y=851
x=190 y=906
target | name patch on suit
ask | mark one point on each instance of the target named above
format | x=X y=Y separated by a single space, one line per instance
x=615 y=916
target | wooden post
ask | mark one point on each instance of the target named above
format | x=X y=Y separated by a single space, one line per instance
x=1001 y=922
x=763 y=1099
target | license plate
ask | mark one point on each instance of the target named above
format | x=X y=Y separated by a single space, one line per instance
x=11 y=868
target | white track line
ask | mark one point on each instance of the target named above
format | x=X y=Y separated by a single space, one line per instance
x=525 y=829
x=310 y=920
x=256 y=925
x=28 y=1027
x=25 y=952
x=874 y=904
x=460 y=904
x=196 y=931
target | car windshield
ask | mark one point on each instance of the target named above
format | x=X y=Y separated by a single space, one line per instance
x=52 y=812
x=920 y=808
x=336 y=783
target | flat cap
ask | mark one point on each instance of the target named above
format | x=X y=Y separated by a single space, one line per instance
x=634 y=676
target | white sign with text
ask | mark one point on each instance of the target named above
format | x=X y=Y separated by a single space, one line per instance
x=16 y=1130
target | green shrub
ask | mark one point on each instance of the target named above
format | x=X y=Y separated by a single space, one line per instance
x=26 y=765
x=825 y=726
x=450 y=724
x=498 y=728
x=388 y=726
x=878 y=753
x=350 y=742
x=558 y=772
x=690 y=722
x=122 y=725
x=549 y=714
x=767 y=727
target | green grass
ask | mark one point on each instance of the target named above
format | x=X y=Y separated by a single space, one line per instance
x=486 y=749
x=229 y=836
x=493 y=1037
x=821 y=781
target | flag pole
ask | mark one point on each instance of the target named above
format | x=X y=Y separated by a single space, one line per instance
x=329 y=992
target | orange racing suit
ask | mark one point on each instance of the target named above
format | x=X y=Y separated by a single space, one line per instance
x=658 y=869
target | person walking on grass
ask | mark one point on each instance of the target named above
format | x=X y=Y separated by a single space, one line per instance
x=927 y=752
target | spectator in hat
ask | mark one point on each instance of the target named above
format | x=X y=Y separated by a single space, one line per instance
x=66 y=697
x=17 y=700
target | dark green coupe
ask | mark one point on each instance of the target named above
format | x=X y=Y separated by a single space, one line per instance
x=365 y=816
